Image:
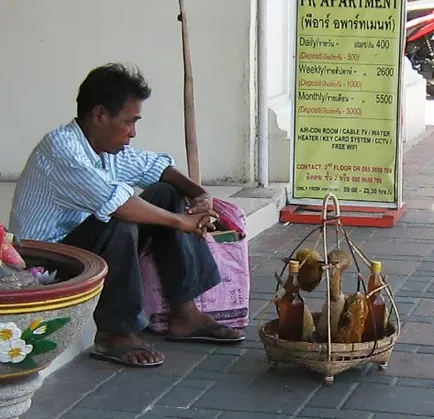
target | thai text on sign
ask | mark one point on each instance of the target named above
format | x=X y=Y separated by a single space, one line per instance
x=347 y=104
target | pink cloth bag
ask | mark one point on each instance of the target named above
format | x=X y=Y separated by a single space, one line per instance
x=227 y=302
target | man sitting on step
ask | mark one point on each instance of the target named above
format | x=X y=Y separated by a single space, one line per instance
x=77 y=189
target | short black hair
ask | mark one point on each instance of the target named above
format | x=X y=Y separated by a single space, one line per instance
x=111 y=86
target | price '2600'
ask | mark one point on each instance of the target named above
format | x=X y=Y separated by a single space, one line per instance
x=385 y=71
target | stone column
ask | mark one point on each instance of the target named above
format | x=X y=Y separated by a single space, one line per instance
x=16 y=396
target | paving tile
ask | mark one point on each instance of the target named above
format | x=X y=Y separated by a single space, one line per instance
x=424 y=308
x=395 y=416
x=270 y=241
x=252 y=333
x=96 y=413
x=267 y=269
x=414 y=382
x=315 y=412
x=255 y=261
x=257 y=306
x=253 y=344
x=420 y=319
x=181 y=397
x=196 y=383
x=217 y=362
x=427 y=266
x=405 y=347
x=406 y=232
x=392 y=399
x=198 y=374
x=263 y=284
x=253 y=362
x=413 y=365
x=399 y=267
x=277 y=395
x=413 y=285
x=251 y=415
x=160 y=412
x=128 y=393
x=363 y=234
x=399 y=247
x=48 y=406
x=231 y=350
x=419 y=217
x=417 y=333
x=422 y=277
x=332 y=396
x=425 y=350
x=80 y=377
x=405 y=308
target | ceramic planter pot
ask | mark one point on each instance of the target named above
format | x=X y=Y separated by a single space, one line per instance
x=38 y=324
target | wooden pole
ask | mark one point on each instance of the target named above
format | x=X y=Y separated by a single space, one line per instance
x=189 y=110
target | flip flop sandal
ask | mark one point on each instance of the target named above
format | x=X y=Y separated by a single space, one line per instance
x=115 y=356
x=206 y=334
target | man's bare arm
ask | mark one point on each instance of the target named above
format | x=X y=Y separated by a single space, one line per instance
x=181 y=182
x=139 y=211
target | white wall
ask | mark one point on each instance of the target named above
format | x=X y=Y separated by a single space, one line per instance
x=48 y=46
x=280 y=51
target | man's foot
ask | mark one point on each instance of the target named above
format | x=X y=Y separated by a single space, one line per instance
x=188 y=323
x=126 y=349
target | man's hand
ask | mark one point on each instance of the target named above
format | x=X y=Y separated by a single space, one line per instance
x=203 y=202
x=197 y=223
x=198 y=198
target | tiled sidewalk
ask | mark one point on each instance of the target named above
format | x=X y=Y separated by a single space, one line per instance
x=205 y=381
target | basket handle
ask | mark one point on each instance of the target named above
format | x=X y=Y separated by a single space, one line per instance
x=330 y=197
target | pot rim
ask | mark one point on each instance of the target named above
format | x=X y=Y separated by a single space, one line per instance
x=88 y=281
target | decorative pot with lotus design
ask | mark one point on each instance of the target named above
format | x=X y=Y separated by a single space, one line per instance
x=37 y=324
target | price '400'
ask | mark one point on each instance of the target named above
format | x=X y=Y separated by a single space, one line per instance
x=383 y=44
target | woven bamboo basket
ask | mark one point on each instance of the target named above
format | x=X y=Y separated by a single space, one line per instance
x=328 y=358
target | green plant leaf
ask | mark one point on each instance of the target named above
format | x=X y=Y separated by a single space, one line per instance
x=52 y=326
x=42 y=346
x=27 y=334
x=28 y=364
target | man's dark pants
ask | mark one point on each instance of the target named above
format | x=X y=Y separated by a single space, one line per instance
x=184 y=262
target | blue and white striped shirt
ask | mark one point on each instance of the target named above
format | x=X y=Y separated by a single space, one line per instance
x=65 y=181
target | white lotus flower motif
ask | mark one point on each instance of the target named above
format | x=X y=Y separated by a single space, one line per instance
x=9 y=332
x=15 y=351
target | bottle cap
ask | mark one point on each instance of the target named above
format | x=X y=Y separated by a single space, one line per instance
x=294 y=266
x=376 y=267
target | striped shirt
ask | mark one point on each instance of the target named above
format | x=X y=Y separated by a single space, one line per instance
x=65 y=181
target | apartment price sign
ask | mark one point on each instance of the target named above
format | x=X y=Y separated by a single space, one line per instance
x=347 y=113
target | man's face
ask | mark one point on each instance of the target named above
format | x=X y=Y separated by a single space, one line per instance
x=112 y=134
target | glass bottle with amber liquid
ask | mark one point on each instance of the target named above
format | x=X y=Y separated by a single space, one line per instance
x=291 y=308
x=374 y=324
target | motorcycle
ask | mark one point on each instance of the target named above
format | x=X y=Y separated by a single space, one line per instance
x=419 y=48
